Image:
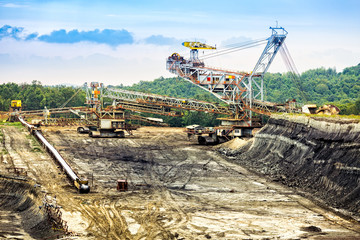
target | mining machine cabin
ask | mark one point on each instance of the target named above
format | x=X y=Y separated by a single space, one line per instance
x=15 y=109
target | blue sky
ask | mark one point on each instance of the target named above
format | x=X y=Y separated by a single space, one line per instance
x=127 y=41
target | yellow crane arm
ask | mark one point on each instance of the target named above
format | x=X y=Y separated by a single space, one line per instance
x=197 y=45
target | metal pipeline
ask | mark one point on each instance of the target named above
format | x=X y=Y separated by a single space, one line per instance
x=25 y=123
x=82 y=185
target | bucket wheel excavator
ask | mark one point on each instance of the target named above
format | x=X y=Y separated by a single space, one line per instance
x=242 y=92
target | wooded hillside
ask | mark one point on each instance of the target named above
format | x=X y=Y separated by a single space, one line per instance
x=318 y=86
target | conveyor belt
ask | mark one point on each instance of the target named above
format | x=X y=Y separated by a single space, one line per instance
x=81 y=185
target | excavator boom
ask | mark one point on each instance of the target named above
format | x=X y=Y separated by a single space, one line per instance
x=197 y=45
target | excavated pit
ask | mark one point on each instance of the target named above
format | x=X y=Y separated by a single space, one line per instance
x=177 y=190
x=319 y=156
x=20 y=216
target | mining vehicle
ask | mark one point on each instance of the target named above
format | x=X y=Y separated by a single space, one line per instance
x=102 y=122
x=216 y=135
x=242 y=92
x=107 y=124
x=15 y=109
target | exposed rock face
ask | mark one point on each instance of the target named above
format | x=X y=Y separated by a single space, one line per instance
x=318 y=155
x=20 y=216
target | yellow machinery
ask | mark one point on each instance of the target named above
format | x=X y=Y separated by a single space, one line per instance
x=194 y=56
x=15 y=108
x=15 y=104
x=197 y=45
x=82 y=185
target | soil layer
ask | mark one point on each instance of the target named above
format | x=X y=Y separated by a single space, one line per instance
x=318 y=156
x=177 y=190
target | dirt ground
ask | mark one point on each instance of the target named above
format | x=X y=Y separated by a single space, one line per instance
x=177 y=190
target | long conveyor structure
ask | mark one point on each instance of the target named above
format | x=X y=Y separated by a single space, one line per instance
x=80 y=184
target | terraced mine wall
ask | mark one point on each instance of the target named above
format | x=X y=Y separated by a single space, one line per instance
x=319 y=156
x=20 y=216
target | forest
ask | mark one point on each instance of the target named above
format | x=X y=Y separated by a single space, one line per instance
x=319 y=86
x=36 y=96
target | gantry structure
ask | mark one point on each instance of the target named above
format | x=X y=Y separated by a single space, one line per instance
x=242 y=92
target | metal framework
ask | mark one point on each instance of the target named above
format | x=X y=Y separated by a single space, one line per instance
x=164 y=105
x=93 y=95
x=244 y=92
x=159 y=104
x=47 y=111
x=148 y=120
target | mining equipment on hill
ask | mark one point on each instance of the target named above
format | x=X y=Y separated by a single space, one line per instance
x=242 y=95
x=109 y=121
x=93 y=119
x=171 y=106
x=103 y=122
x=242 y=92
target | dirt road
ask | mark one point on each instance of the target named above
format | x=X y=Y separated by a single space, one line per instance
x=177 y=190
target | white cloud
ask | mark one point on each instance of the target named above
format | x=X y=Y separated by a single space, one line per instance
x=339 y=58
x=97 y=67
x=81 y=62
x=13 y=5
x=54 y=63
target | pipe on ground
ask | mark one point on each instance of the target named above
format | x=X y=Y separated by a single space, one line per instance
x=81 y=185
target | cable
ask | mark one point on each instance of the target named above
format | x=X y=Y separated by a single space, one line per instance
x=62 y=106
x=238 y=45
x=295 y=76
x=231 y=50
x=236 y=48
x=290 y=60
x=244 y=43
